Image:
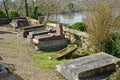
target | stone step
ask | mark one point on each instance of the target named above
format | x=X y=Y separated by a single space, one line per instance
x=88 y=66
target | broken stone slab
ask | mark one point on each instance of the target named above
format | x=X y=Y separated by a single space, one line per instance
x=88 y=66
x=3 y=71
x=65 y=52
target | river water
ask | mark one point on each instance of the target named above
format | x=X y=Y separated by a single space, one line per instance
x=69 y=18
x=73 y=17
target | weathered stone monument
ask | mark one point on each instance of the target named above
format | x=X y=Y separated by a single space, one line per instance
x=51 y=40
x=19 y=23
x=27 y=29
x=52 y=36
x=88 y=66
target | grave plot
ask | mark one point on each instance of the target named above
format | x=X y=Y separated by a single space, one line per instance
x=52 y=40
x=88 y=66
x=26 y=30
x=32 y=26
x=52 y=36
x=19 y=23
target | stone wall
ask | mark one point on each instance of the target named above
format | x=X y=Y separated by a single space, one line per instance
x=5 y=21
x=32 y=21
x=79 y=33
x=69 y=33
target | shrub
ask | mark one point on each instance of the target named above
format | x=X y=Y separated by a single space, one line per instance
x=115 y=75
x=2 y=14
x=117 y=21
x=13 y=14
x=52 y=21
x=113 y=46
x=79 y=26
x=99 y=22
x=66 y=25
x=35 y=14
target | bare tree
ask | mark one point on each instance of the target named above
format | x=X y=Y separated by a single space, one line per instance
x=5 y=3
x=48 y=7
x=26 y=7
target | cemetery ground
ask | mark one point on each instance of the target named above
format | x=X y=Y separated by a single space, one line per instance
x=18 y=51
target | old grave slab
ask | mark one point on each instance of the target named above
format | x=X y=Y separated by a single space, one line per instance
x=32 y=27
x=26 y=31
x=19 y=23
x=88 y=66
x=40 y=32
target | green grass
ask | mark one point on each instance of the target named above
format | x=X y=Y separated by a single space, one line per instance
x=11 y=45
x=42 y=60
x=115 y=75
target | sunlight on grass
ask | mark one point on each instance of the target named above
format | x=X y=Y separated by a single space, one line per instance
x=10 y=44
x=42 y=60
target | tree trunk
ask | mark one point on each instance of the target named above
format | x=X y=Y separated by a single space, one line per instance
x=26 y=8
x=5 y=7
x=48 y=16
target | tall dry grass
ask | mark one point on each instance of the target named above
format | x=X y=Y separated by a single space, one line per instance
x=100 y=22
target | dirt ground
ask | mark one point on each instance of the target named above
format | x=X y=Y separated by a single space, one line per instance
x=16 y=50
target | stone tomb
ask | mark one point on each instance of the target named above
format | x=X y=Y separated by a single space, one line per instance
x=88 y=66
x=52 y=36
x=19 y=23
x=47 y=45
x=28 y=29
x=32 y=26
x=51 y=41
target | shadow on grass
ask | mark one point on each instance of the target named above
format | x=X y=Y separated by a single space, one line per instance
x=12 y=76
x=72 y=56
x=101 y=76
x=1 y=58
x=1 y=39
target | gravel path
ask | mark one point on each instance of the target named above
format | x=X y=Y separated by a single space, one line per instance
x=16 y=50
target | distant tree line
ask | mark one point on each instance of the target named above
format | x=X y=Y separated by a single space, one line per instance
x=46 y=7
